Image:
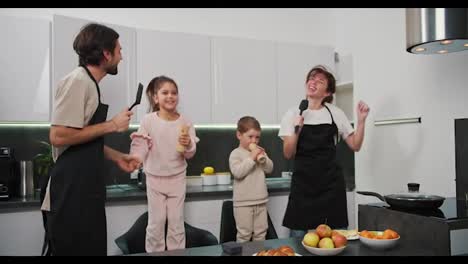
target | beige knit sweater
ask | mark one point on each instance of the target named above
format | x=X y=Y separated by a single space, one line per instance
x=249 y=186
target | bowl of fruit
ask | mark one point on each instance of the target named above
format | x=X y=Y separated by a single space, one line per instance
x=324 y=241
x=380 y=240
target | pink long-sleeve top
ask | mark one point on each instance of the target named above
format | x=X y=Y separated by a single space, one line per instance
x=155 y=144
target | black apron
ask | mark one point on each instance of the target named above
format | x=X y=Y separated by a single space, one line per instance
x=318 y=193
x=76 y=223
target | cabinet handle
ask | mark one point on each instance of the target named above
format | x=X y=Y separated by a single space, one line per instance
x=397 y=121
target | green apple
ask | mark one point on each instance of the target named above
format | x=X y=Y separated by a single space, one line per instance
x=326 y=242
x=311 y=239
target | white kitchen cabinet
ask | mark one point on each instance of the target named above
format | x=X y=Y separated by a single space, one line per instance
x=294 y=61
x=244 y=80
x=25 y=69
x=344 y=69
x=118 y=91
x=186 y=58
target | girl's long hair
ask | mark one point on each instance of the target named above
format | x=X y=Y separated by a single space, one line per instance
x=153 y=87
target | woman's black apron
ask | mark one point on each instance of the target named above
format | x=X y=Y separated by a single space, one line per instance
x=318 y=193
x=76 y=223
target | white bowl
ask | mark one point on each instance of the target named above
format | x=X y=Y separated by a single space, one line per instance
x=210 y=179
x=379 y=244
x=323 y=251
x=224 y=177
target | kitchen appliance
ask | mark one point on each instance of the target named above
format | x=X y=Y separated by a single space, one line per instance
x=436 y=30
x=410 y=200
x=26 y=178
x=9 y=174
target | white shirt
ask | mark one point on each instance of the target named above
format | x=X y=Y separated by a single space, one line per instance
x=316 y=117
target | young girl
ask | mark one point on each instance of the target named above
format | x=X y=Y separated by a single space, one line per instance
x=163 y=149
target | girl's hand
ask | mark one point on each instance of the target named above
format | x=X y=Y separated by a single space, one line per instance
x=128 y=163
x=184 y=140
x=362 y=111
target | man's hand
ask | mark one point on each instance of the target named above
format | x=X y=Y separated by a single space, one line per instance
x=128 y=163
x=121 y=121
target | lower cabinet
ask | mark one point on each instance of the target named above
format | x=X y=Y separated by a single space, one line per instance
x=23 y=233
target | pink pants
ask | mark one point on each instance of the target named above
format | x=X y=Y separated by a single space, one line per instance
x=166 y=196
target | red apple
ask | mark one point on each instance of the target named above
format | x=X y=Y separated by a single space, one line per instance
x=323 y=230
x=339 y=240
x=326 y=242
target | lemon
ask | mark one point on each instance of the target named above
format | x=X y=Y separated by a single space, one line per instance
x=208 y=170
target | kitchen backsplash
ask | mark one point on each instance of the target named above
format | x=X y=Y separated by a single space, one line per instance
x=213 y=150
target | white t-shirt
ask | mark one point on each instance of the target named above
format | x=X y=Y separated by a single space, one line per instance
x=316 y=117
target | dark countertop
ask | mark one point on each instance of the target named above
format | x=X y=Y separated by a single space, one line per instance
x=354 y=248
x=131 y=192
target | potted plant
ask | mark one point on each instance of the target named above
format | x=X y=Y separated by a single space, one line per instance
x=43 y=162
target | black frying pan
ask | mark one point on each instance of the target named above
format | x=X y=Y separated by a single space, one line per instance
x=409 y=201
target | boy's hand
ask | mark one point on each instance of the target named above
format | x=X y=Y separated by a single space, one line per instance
x=255 y=152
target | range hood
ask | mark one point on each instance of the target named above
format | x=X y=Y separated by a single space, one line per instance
x=436 y=30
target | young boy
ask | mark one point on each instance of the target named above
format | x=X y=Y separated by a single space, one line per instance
x=248 y=164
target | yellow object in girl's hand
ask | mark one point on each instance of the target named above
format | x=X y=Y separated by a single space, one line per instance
x=208 y=170
x=183 y=131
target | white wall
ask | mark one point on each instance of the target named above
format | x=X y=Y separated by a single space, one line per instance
x=398 y=84
x=313 y=26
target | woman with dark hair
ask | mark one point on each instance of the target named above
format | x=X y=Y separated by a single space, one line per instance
x=318 y=193
x=73 y=198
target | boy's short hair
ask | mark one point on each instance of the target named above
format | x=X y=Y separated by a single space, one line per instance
x=246 y=123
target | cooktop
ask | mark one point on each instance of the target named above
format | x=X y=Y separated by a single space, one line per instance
x=450 y=209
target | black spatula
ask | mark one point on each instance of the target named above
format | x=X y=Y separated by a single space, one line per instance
x=138 y=96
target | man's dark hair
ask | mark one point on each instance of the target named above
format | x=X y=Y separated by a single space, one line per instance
x=92 y=40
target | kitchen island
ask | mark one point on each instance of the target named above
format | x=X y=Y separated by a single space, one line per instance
x=354 y=248
x=443 y=230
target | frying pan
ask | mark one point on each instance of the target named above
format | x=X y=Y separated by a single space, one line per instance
x=409 y=200
x=138 y=96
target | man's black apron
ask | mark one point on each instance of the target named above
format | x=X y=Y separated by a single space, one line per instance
x=318 y=193
x=76 y=223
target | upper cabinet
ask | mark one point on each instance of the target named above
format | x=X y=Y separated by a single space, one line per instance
x=220 y=79
x=186 y=58
x=344 y=69
x=25 y=69
x=118 y=91
x=344 y=85
x=294 y=61
x=244 y=80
